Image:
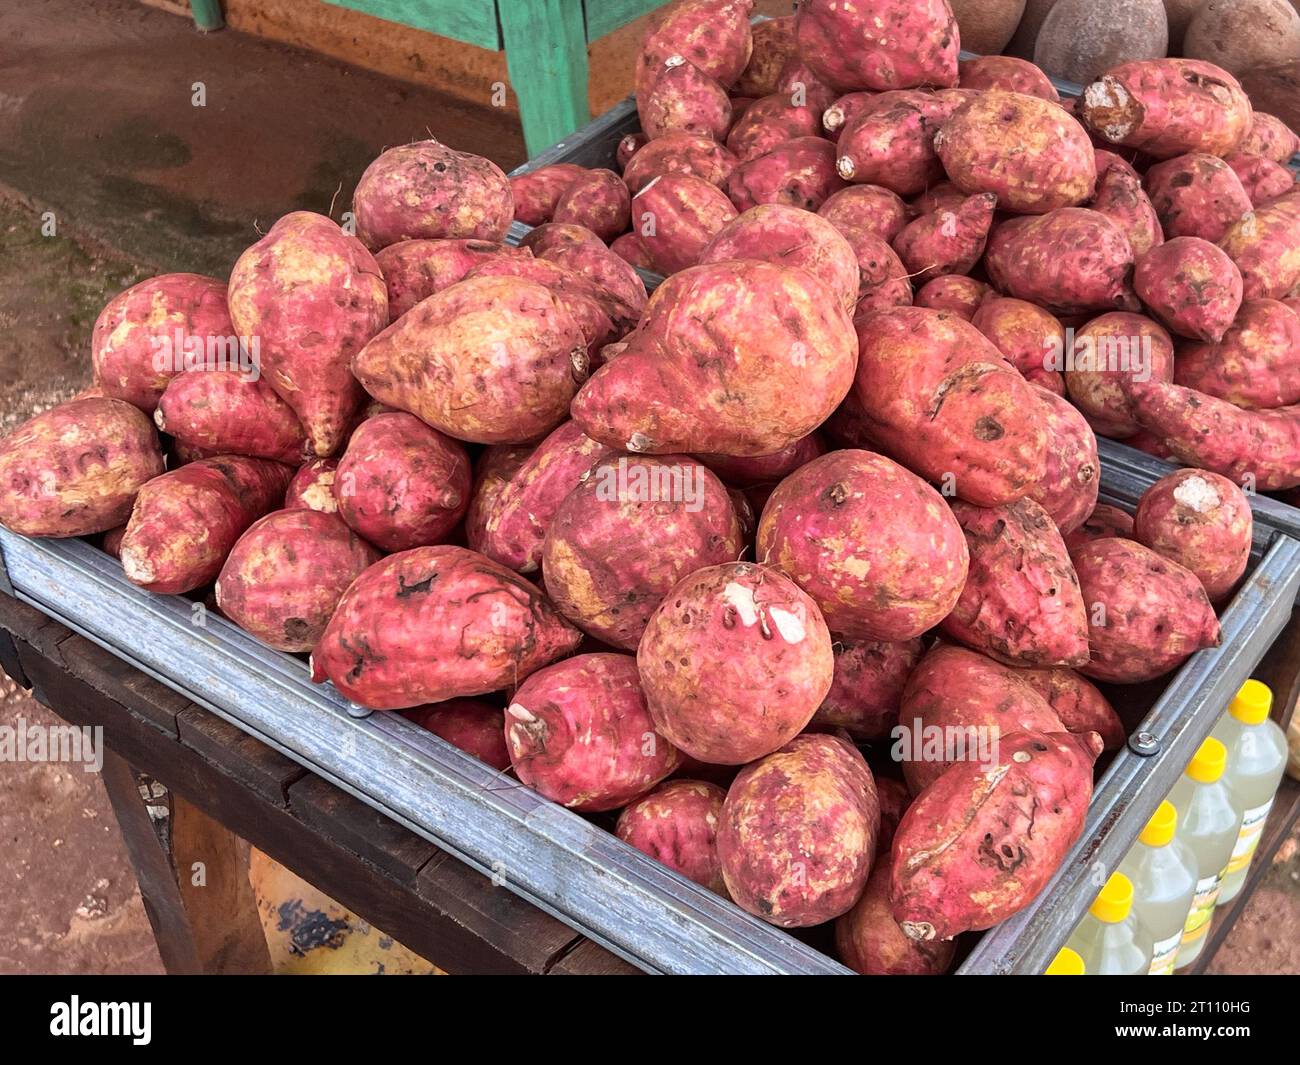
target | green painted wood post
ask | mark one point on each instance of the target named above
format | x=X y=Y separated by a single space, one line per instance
x=207 y=14
x=546 y=54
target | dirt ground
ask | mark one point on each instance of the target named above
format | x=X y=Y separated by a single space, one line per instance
x=140 y=181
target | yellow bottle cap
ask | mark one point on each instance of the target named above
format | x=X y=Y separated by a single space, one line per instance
x=1207 y=764
x=1114 y=901
x=1066 y=963
x=1160 y=829
x=1252 y=704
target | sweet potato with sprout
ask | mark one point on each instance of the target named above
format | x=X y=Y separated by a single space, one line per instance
x=1146 y=613
x=1112 y=353
x=516 y=517
x=1255 y=364
x=768 y=123
x=185 y=522
x=753 y=470
x=947 y=242
x=1104 y=521
x=869 y=941
x=579 y=733
x=944 y=400
x=492 y=360
x=1021 y=603
x=875 y=546
x=776 y=233
x=676 y=215
x=1121 y=198
x=891 y=44
x=1026 y=335
x=1077 y=702
x=312 y=487
x=1025 y=150
x=1270 y=137
x=798 y=172
x=1070 y=261
x=415 y=269
x=1167 y=107
x=474 y=726
x=983 y=841
x=627 y=533
x=230 y=413
x=1202 y=521
x=537 y=192
x=739 y=358
x=891 y=141
x=75 y=469
x=956 y=293
x=734 y=662
x=681 y=98
x=1006 y=73
x=437 y=623
x=677 y=825
x=1068 y=489
x=679 y=153
x=598 y=200
x=425 y=190
x=865 y=209
x=402 y=484
x=1192 y=286
x=798 y=832
x=1265 y=246
x=713 y=34
x=149 y=333
x=1262 y=179
x=867 y=687
x=313 y=296
x=1196 y=195
x=286 y=573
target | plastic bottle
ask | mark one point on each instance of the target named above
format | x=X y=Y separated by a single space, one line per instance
x=1066 y=963
x=1207 y=823
x=1109 y=939
x=1163 y=872
x=1256 y=761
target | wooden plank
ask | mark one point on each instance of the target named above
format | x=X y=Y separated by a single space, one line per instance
x=546 y=54
x=605 y=16
x=471 y=21
x=28 y=625
x=262 y=768
x=110 y=676
x=591 y=959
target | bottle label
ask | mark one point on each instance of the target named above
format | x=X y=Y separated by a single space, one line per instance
x=1163 y=955
x=1252 y=827
x=1198 y=918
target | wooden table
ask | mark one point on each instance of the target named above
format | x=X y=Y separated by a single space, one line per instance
x=223 y=784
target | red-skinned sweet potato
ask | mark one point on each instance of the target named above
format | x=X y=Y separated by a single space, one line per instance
x=1167 y=107
x=1192 y=286
x=143 y=337
x=437 y=623
x=401 y=484
x=617 y=287
x=753 y=470
x=1270 y=137
x=185 y=522
x=1111 y=354
x=425 y=190
x=1255 y=364
x=773 y=338
x=1146 y=614
x=867 y=687
x=1008 y=74
x=75 y=469
x=285 y=574
x=676 y=215
x=312 y=487
x=1265 y=245
x=543 y=241
x=575 y=293
x=773 y=44
x=285 y=290
x=492 y=472
x=629 y=248
x=953 y=292
x=598 y=200
x=713 y=34
x=1104 y=521
x=230 y=413
x=983 y=841
x=1026 y=335
x=1121 y=198
x=1028 y=152
x=677 y=825
x=943 y=196
x=415 y=269
x=869 y=941
x=944 y=401
x=1202 y=521
x=492 y=360
x=1078 y=703
x=798 y=172
x=627 y=533
x=798 y=832
x=681 y=98
x=1068 y=490
x=947 y=242
x=474 y=726
x=769 y=123
x=836 y=118
x=537 y=192
x=1196 y=195
x=787 y=236
x=875 y=546
x=865 y=209
x=894 y=800
x=628 y=147
x=734 y=662
x=679 y=153
x=579 y=733
x=890 y=142
x=1261 y=178
x=892 y=44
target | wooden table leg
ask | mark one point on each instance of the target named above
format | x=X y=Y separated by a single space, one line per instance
x=546 y=54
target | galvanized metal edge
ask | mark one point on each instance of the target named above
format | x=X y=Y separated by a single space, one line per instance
x=585 y=876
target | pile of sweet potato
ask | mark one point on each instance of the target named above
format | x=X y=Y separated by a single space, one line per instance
x=797 y=561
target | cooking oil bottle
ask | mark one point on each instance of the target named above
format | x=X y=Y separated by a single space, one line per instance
x=1066 y=963
x=1163 y=872
x=1207 y=823
x=1109 y=939
x=1256 y=761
